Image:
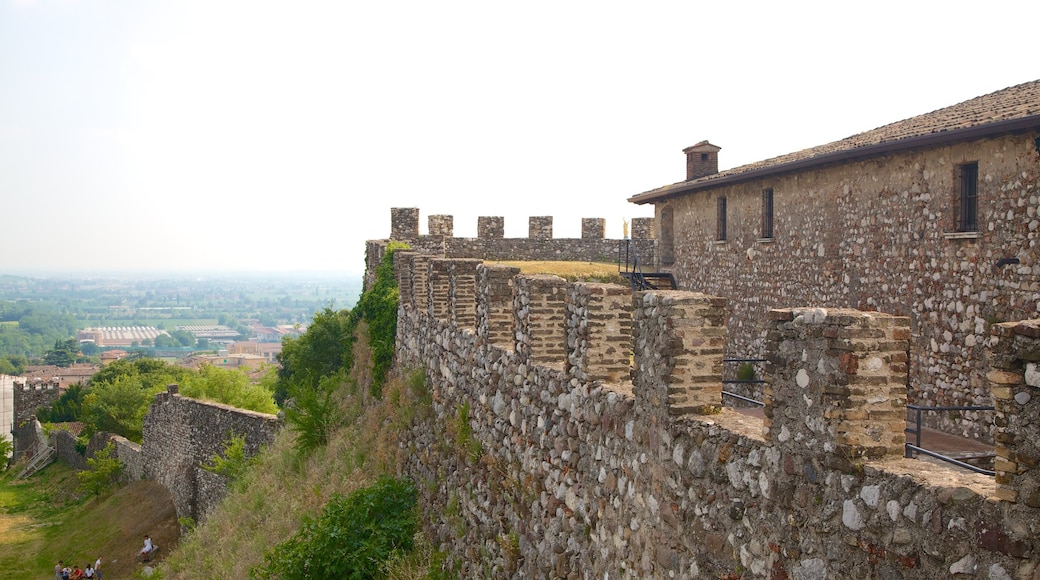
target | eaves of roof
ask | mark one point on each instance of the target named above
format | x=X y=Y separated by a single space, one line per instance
x=942 y=137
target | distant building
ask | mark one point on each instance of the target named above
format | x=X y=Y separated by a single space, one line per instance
x=6 y=406
x=111 y=356
x=64 y=377
x=214 y=332
x=119 y=335
x=268 y=350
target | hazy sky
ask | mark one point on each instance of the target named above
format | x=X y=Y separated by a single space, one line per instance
x=210 y=135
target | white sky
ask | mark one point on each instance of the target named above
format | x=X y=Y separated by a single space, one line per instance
x=211 y=135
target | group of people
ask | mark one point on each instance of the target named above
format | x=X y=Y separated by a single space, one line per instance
x=63 y=572
x=93 y=571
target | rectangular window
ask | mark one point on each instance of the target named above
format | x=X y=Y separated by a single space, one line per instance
x=968 y=197
x=767 y=213
x=720 y=232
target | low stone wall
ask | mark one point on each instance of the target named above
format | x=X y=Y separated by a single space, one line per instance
x=530 y=469
x=129 y=455
x=65 y=445
x=180 y=434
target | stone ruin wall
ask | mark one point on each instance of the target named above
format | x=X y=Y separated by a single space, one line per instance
x=568 y=469
x=491 y=243
x=876 y=235
x=28 y=398
x=181 y=434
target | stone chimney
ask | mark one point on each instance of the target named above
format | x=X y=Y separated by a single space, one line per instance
x=702 y=160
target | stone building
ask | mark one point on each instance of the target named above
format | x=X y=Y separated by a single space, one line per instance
x=933 y=217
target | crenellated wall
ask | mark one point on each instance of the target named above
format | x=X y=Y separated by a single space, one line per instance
x=491 y=243
x=563 y=467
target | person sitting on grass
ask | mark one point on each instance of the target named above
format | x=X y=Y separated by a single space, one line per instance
x=146 y=552
x=77 y=573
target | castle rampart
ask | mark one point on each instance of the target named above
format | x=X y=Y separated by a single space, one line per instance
x=565 y=468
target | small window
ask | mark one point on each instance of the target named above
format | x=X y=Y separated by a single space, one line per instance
x=967 y=217
x=720 y=232
x=767 y=213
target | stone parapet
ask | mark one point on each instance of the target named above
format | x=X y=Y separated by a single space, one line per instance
x=837 y=382
x=556 y=473
x=404 y=223
x=441 y=225
x=679 y=340
x=495 y=314
x=438 y=295
x=599 y=333
x=593 y=228
x=643 y=229
x=462 y=295
x=491 y=227
x=1013 y=353
x=540 y=306
x=540 y=227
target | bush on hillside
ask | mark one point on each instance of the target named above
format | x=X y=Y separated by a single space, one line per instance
x=354 y=538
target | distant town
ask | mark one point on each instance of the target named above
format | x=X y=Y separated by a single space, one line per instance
x=227 y=320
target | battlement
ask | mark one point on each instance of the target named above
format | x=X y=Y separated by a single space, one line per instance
x=606 y=406
x=491 y=243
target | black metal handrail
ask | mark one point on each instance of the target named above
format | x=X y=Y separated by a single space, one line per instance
x=911 y=448
x=726 y=393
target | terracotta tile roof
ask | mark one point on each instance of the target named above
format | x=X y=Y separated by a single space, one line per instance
x=1013 y=108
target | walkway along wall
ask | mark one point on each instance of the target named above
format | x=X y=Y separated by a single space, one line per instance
x=566 y=468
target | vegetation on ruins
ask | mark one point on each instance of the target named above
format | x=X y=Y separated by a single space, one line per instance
x=119 y=394
x=314 y=365
x=102 y=471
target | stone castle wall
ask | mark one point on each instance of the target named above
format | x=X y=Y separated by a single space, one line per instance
x=180 y=434
x=879 y=234
x=568 y=469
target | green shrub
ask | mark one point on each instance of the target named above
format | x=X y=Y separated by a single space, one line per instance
x=313 y=415
x=354 y=538
x=233 y=462
x=102 y=471
x=746 y=372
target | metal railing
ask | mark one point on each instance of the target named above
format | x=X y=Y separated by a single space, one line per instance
x=916 y=430
x=726 y=393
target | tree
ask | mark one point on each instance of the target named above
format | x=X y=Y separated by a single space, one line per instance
x=13 y=364
x=183 y=337
x=102 y=471
x=118 y=407
x=165 y=341
x=68 y=407
x=64 y=353
x=6 y=447
x=228 y=386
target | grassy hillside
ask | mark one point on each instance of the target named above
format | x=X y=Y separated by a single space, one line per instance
x=46 y=518
x=278 y=493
